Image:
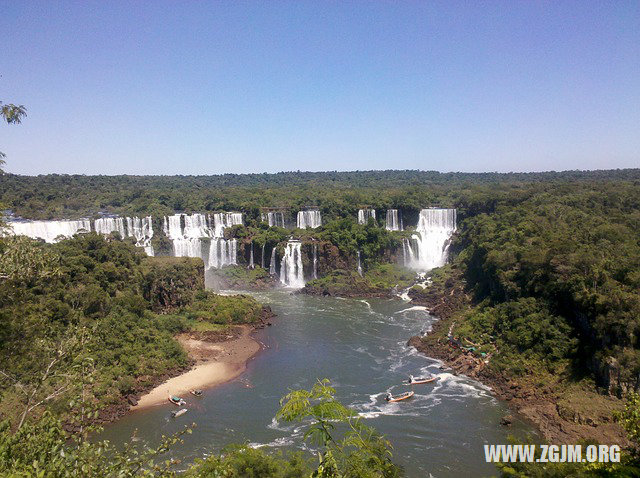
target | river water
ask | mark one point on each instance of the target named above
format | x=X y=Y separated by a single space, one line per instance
x=360 y=345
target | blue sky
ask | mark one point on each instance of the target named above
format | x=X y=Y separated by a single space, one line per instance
x=215 y=87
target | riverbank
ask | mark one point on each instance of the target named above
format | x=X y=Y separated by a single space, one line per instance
x=218 y=356
x=564 y=411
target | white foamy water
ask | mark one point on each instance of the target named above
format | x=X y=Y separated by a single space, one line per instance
x=365 y=214
x=309 y=219
x=429 y=245
x=291 y=270
x=49 y=231
x=200 y=235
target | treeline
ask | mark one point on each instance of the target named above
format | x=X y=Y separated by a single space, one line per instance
x=337 y=194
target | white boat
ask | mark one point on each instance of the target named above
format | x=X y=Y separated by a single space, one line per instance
x=419 y=380
x=177 y=413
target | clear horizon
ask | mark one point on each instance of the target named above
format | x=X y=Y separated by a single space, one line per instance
x=242 y=87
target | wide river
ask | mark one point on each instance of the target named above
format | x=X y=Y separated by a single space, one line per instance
x=360 y=345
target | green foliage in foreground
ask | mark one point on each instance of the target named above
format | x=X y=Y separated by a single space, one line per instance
x=44 y=449
x=359 y=451
x=246 y=462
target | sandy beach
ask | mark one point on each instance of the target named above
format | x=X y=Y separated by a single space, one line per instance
x=216 y=363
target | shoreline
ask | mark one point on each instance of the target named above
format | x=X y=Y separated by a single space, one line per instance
x=538 y=405
x=216 y=362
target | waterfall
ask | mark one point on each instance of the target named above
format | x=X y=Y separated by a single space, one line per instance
x=107 y=225
x=139 y=228
x=222 y=252
x=172 y=226
x=251 y=265
x=142 y=230
x=359 y=265
x=262 y=256
x=187 y=232
x=404 y=252
x=407 y=252
x=309 y=219
x=291 y=273
x=432 y=237
x=49 y=231
x=221 y=220
x=391 y=223
x=365 y=214
x=274 y=219
x=315 y=261
x=272 y=263
x=187 y=247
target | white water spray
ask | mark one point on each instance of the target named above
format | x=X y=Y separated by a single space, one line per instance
x=429 y=246
x=272 y=263
x=49 y=231
x=274 y=219
x=187 y=231
x=391 y=223
x=309 y=219
x=365 y=214
x=139 y=228
x=315 y=261
x=291 y=272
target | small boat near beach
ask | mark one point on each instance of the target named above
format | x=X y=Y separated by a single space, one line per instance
x=398 y=398
x=196 y=392
x=420 y=380
x=177 y=400
x=177 y=413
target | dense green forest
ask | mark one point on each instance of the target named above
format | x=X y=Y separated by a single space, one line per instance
x=557 y=275
x=97 y=314
x=337 y=194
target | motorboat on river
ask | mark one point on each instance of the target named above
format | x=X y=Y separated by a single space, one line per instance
x=420 y=380
x=398 y=398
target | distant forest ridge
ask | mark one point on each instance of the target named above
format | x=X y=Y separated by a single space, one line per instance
x=337 y=194
x=390 y=175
